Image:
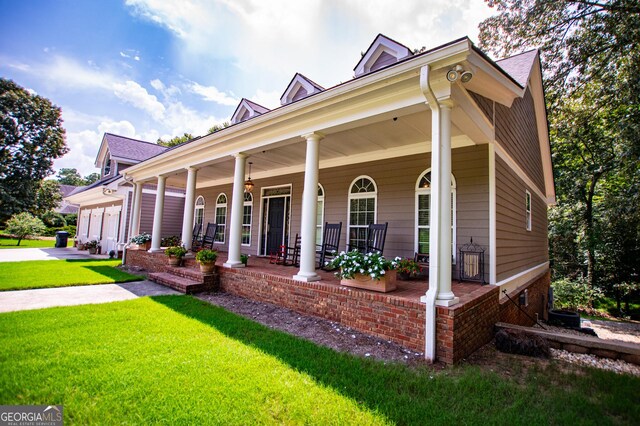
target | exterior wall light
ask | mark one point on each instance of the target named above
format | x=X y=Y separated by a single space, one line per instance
x=248 y=184
x=458 y=72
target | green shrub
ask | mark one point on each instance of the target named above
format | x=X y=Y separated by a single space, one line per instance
x=53 y=220
x=51 y=232
x=72 y=219
x=574 y=294
x=206 y=256
x=176 y=251
x=172 y=241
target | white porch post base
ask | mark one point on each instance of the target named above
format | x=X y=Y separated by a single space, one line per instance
x=307 y=278
x=233 y=265
x=447 y=302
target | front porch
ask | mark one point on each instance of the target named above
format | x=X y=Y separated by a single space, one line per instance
x=398 y=316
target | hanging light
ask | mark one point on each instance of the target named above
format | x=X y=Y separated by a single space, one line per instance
x=248 y=184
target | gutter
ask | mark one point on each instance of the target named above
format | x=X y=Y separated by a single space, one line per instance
x=430 y=297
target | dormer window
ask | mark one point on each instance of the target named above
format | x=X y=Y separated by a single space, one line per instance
x=246 y=110
x=299 y=88
x=107 y=166
x=382 y=52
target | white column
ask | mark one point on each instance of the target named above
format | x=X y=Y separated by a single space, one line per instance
x=237 y=206
x=309 y=209
x=187 y=219
x=445 y=296
x=156 y=235
x=135 y=210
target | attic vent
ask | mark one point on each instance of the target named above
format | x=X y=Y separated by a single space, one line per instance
x=299 y=88
x=382 y=52
x=246 y=110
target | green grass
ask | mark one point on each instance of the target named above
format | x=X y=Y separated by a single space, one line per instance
x=178 y=360
x=10 y=243
x=60 y=273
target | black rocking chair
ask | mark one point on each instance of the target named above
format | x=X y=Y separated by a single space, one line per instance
x=208 y=238
x=376 y=236
x=196 y=239
x=329 y=247
x=292 y=254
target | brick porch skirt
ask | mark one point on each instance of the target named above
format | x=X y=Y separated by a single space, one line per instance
x=398 y=316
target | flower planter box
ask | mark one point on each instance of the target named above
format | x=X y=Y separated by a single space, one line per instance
x=146 y=246
x=384 y=285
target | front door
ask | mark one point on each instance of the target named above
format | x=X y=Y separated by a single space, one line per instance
x=275 y=224
x=113 y=220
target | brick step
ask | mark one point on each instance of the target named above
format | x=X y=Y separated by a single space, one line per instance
x=182 y=284
x=186 y=272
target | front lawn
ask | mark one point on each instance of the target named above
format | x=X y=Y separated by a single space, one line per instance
x=60 y=273
x=7 y=242
x=179 y=360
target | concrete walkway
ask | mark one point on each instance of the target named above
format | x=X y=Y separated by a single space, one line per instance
x=22 y=254
x=21 y=300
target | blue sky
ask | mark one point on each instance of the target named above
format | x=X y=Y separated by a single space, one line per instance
x=159 y=68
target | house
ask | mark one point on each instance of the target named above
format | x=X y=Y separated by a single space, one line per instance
x=105 y=205
x=65 y=208
x=445 y=146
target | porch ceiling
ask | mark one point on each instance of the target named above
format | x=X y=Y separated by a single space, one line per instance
x=387 y=135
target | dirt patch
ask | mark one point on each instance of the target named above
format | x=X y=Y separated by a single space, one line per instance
x=318 y=330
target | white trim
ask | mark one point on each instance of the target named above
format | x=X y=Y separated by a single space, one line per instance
x=528 y=216
x=521 y=278
x=492 y=215
x=122 y=237
x=196 y=207
x=321 y=224
x=262 y=212
x=380 y=44
x=215 y=217
x=351 y=196
x=245 y=204
x=166 y=193
x=518 y=170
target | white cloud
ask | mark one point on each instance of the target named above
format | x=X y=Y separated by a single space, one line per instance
x=180 y=119
x=268 y=99
x=136 y=95
x=212 y=94
x=66 y=72
x=167 y=92
x=122 y=128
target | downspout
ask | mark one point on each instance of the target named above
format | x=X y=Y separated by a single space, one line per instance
x=430 y=297
x=126 y=245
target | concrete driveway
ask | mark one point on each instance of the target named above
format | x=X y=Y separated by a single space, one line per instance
x=22 y=254
x=22 y=300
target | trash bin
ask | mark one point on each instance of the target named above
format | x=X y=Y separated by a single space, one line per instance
x=61 y=238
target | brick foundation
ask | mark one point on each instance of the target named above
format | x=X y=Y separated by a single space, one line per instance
x=460 y=329
x=538 y=298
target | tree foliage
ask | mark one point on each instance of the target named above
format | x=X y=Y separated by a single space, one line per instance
x=31 y=137
x=176 y=140
x=71 y=176
x=23 y=224
x=47 y=198
x=218 y=127
x=591 y=64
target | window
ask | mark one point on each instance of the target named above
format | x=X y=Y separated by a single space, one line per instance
x=527 y=203
x=320 y=215
x=362 y=209
x=107 y=165
x=246 y=219
x=198 y=213
x=221 y=218
x=423 y=213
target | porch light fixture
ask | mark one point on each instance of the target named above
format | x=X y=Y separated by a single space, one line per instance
x=459 y=73
x=248 y=184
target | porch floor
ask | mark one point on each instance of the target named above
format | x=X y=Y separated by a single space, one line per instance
x=406 y=290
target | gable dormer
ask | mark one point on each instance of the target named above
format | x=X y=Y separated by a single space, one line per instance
x=382 y=52
x=299 y=88
x=246 y=110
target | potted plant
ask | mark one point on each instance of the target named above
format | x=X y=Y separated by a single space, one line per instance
x=92 y=246
x=175 y=254
x=407 y=269
x=143 y=241
x=207 y=260
x=244 y=258
x=370 y=271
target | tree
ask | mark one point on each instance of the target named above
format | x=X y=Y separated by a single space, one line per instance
x=591 y=67
x=47 y=197
x=218 y=127
x=69 y=176
x=23 y=224
x=53 y=219
x=176 y=140
x=31 y=137
x=91 y=178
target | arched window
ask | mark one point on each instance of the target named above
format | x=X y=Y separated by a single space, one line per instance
x=107 y=165
x=198 y=213
x=363 y=200
x=247 y=211
x=423 y=213
x=221 y=218
x=320 y=215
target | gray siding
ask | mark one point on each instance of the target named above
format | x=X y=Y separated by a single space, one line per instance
x=516 y=248
x=301 y=93
x=171 y=220
x=383 y=60
x=517 y=132
x=396 y=179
